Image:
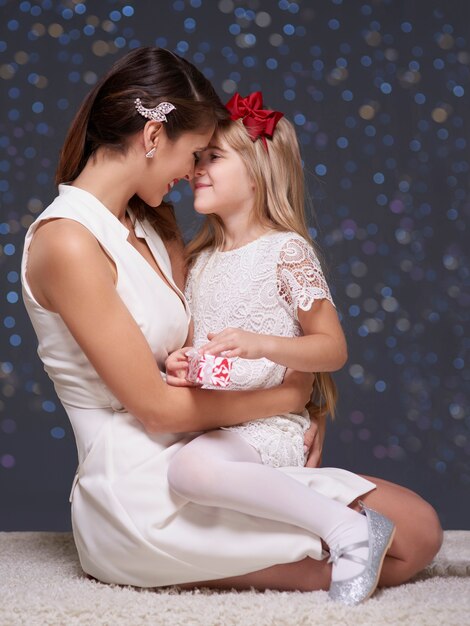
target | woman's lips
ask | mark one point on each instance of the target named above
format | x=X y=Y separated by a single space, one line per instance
x=201 y=185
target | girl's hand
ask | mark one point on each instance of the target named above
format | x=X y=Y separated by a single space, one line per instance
x=313 y=443
x=236 y=342
x=177 y=369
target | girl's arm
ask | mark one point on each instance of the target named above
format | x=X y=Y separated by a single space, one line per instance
x=302 y=287
x=321 y=349
x=70 y=275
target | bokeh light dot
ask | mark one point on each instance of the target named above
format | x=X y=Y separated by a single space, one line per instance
x=37 y=107
x=57 y=432
x=8 y=426
x=9 y=321
x=15 y=340
x=190 y=24
x=7 y=461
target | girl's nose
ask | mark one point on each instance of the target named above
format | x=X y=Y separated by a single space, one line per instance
x=198 y=169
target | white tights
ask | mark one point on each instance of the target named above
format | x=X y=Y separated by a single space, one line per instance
x=220 y=468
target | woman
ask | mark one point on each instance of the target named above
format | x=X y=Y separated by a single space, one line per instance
x=100 y=293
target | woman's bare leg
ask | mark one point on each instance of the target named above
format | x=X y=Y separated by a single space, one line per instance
x=418 y=535
x=417 y=540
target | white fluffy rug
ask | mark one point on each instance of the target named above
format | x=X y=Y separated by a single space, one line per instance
x=41 y=583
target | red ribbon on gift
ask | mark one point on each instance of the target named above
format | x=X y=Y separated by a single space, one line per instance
x=259 y=122
x=221 y=372
x=208 y=369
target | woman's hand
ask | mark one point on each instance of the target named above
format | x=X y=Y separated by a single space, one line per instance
x=235 y=342
x=313 y=442
x=177 y=369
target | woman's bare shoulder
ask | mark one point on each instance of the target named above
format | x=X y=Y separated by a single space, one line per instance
x=63 y=240
x=62 y=235
x=61 y=251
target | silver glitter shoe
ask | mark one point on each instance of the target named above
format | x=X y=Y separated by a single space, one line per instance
x=361 y=587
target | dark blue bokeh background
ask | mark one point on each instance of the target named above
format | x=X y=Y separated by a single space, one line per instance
x=379 y=93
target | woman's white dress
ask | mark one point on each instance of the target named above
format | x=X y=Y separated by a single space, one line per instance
x=128 y=526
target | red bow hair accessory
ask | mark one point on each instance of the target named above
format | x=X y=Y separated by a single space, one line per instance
x=258 y=122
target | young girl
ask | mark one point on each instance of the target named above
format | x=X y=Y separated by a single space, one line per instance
x=257 y=292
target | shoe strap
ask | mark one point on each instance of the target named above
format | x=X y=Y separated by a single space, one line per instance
x=343 y=553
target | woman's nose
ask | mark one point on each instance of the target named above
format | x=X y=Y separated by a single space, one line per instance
x=196 y=170
x=189 y=173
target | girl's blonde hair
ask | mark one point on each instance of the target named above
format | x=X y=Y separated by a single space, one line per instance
x=279 y=204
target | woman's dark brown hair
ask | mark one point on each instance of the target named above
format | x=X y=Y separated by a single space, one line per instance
x=107 y=117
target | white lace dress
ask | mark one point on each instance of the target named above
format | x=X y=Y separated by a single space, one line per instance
x=259 y=287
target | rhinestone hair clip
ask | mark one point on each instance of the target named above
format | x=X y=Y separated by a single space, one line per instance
x=158 y=114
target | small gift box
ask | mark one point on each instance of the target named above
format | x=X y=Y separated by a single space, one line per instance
x=208 y=369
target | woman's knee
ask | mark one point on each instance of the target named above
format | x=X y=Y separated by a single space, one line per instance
x=418 y=541
x=424 y=530
x=431 y=535
x=418 y=530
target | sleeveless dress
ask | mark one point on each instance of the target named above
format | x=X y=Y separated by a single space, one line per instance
x=129 y=528
x=259 y=287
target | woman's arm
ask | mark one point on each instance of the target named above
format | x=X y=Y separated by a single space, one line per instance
x=69 y=274
x=321 y=349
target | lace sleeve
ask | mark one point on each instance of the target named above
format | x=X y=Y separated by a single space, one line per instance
x=300 y=279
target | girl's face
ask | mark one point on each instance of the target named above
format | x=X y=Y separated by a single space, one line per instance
x=221 y=183
x=173 y=161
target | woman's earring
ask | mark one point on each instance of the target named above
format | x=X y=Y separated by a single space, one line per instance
x=150 y=153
